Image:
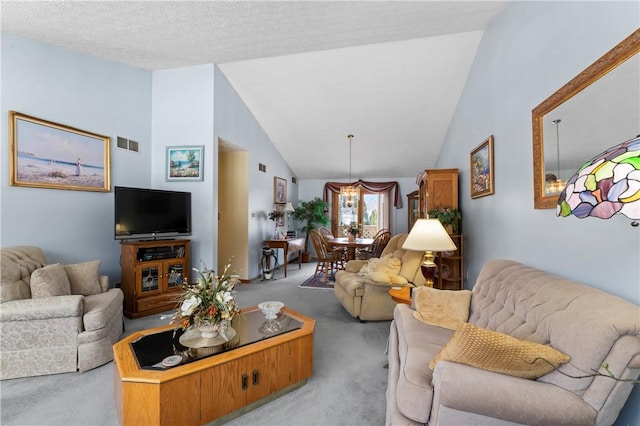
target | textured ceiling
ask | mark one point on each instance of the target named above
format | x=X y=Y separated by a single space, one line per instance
x=391 y=73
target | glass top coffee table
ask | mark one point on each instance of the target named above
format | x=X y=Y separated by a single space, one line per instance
x=250 y=327
x=250 y=370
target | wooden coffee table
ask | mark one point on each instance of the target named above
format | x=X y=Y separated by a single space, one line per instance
x=253 y=369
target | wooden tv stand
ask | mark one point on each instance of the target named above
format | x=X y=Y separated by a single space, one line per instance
x=221 y=386
x=151 y=274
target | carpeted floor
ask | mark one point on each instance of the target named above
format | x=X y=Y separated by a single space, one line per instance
x=347 y=387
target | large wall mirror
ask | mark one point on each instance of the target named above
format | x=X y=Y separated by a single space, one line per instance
x=596 y=110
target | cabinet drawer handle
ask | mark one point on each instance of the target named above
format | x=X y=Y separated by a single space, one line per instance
x=245 y=381
x=255 y=377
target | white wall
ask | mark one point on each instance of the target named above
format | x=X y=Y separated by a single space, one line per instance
x=525 y=55
x=183 y=115
x=235 y=124
x=90 y=94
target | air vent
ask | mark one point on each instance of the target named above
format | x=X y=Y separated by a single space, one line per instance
x=128 y=144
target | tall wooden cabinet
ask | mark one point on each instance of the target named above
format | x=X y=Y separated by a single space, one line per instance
x=439 y=188
x=450 y=275
x=413 y=209
x=152 y=273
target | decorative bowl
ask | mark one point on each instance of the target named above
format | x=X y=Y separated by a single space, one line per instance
x=270 y=309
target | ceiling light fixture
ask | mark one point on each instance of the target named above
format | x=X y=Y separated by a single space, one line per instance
x=349 y=192
x=554 y=184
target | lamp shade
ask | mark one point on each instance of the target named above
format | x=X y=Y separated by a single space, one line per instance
x=428 y=234
x=606 y=185
x=288 y=208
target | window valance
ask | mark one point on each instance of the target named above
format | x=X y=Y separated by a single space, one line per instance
x=369 y=186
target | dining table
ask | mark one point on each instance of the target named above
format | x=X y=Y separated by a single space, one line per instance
x=351 y=245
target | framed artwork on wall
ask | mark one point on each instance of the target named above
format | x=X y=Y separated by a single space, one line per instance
x=481 y=166
x=49 y=155
x=279 y=190
x=185 y=163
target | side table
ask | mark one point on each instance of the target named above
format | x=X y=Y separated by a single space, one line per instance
x=401 y=294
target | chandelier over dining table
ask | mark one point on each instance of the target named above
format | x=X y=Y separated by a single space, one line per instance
x=349 y=192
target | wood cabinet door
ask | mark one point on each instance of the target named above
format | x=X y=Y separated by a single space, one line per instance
x=269 y=371
x=222 y=390
x=148 y=279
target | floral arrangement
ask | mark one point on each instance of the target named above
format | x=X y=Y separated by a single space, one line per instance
x=354 y=228
x=275 y=215
x=210 y=300
x=446 y=216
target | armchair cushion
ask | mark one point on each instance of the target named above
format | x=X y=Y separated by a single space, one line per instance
x=389 y=265
x=83 y=278
x=498 y=352
x=444 y=308
x=385 y=278
x=48 y=281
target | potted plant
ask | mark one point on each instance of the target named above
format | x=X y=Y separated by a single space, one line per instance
x=310 y=213
x=447 y=216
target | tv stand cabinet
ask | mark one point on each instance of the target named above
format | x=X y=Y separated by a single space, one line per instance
x=152 y=273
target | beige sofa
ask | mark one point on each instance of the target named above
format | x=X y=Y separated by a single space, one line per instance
x=365 y=296
x=589 y=325
x=55 y=334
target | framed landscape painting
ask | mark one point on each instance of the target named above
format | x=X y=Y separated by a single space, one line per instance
x=45 y=154
x=185 y=163
x=279 y=190
x=481 y=166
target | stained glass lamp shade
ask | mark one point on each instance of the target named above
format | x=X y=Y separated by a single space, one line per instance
x=606 y=185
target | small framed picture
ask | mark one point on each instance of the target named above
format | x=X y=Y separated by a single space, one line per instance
x=481 y=166
x=54 y=156
x=279 y=190
x=185 y=163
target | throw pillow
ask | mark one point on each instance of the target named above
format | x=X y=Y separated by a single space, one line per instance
x=48 y=281
x=498 y=352
x=444 y=308
x=83 y=278
x=384 y=278
x=389 y=265
x=369 y=266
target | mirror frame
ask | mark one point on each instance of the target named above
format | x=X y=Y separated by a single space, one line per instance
x=610 y=60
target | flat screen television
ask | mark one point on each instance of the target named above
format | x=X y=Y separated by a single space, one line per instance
x=151 y=213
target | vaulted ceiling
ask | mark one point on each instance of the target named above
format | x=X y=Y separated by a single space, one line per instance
x=311 y=72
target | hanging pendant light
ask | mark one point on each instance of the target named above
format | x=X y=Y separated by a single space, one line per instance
x=349 y=192
x=554 y=184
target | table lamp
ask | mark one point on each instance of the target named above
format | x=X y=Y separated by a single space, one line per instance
x=428 y=235
x=288 y=209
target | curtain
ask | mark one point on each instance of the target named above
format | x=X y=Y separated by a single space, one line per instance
x=369 y=186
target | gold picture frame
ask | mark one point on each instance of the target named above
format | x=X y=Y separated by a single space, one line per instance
x=481 y=167
x=49 y=155
x=279 y=190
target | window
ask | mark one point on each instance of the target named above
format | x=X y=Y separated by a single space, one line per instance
x=372 y=210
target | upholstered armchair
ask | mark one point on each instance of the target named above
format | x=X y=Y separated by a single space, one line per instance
x=362 y=288
x=55 y=318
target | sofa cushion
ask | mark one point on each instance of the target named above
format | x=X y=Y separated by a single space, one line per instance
x=17 y=265
x=384 y=278
x=418 y=343
x=49 y=281
x=369 y=266
x=444 y=308
x=84 y=277
x=498 y=352
x=389 y=265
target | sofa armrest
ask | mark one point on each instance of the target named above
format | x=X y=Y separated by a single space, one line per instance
x=464 y=390
x=43 y=308
x=355 y=265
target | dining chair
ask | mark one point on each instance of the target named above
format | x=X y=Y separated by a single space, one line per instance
x=329 y=261
x=328 y=235
x=375 y=249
